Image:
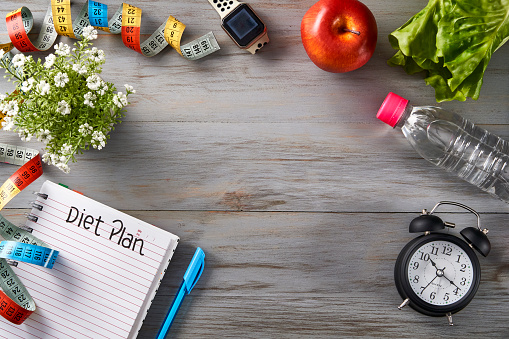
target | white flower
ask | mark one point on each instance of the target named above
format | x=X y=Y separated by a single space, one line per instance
x=89 y=33
x=104 y=88
x=129 y=88
x=64 y=167
x=18 y=60
x=44 y=135
x=8 y=123
x=10 y=108
x=116 y=101
x=26 y=86
x=81 y=69
x=66 y=149
x=60 y=161
x=120 y=99
x=98 y=140
x=50 y=60
x=61 y=79
x=43 y=87
x=85 y=129
x=96 y=55
x=63 y=107
x=46 y=157
x=94 y=82
x=62 y=49
x=25 y=135
x=55 y=159
x=89 y=99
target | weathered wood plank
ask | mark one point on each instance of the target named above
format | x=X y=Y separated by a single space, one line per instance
x=279 y=84
x=312 y=274
x=283 y=175
x=262 y=166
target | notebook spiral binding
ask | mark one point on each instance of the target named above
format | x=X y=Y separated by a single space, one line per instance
x=26 y=228
x=31 y=217
x=11 y=262
x=42 y=195
x=35 y=205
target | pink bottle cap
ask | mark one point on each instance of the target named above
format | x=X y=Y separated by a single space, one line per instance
x=392 y=109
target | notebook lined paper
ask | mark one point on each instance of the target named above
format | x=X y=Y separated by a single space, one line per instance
x=105 y=277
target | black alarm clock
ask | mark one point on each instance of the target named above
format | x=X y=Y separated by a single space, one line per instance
x=438 y=274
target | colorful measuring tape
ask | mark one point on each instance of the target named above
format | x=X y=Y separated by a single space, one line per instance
x=126 y=21
x=16 y=304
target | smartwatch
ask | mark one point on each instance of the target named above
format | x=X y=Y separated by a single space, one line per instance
x=242 y=24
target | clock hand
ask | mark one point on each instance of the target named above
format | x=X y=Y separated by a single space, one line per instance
x=441 y=273
x=452 y=282
x=433 y=263
x=428 y=284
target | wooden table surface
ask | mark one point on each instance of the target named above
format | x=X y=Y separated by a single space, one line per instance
x=281 y=172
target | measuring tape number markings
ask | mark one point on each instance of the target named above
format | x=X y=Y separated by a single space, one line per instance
x=16 y=304
x=126 y=21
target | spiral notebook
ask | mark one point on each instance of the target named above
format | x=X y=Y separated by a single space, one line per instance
x=105 y=277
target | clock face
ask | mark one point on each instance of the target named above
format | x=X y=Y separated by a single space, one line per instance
x=440 y=272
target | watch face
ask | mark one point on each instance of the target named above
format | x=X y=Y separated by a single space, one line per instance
x=243 y=25
x=439 y=273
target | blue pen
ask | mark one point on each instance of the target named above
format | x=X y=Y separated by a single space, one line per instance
x=193 y=273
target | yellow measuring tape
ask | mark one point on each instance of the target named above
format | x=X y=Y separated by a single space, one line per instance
x=16 y=303
x=126 y=21
x=61 y=10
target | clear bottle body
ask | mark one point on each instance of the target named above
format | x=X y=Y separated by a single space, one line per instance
x=458 y=146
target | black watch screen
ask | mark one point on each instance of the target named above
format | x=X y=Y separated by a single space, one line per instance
x=243 y=25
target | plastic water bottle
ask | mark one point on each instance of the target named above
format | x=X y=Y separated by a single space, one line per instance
x=452 y=143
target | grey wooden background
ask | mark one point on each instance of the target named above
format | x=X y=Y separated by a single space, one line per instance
x=280 y=171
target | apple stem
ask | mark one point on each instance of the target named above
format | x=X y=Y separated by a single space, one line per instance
x=351 y=31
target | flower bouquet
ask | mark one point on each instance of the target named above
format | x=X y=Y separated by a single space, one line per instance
x=62 y=101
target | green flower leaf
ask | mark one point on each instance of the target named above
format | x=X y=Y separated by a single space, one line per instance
x=62 y=101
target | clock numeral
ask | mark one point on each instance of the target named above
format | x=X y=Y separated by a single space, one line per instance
x=447 y=250
x=456 y=291
x=416 y=279
x=463 y=281
x=424 y=256
x=459 y=257
x=434 y=250
x=446 y=297
x=432 y=295
x=463 y=267
x=416 y=265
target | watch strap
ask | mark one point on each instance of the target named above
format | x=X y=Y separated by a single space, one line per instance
x=224 y=7
x=262 y=41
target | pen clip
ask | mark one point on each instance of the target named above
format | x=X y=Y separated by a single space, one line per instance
x=195 y=269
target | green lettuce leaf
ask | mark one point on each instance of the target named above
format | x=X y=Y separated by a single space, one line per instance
x=470 y=34
x=409 y=65
x=452 y=41
x=417 y=37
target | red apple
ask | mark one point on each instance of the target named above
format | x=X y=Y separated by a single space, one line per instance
x=339 y=35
